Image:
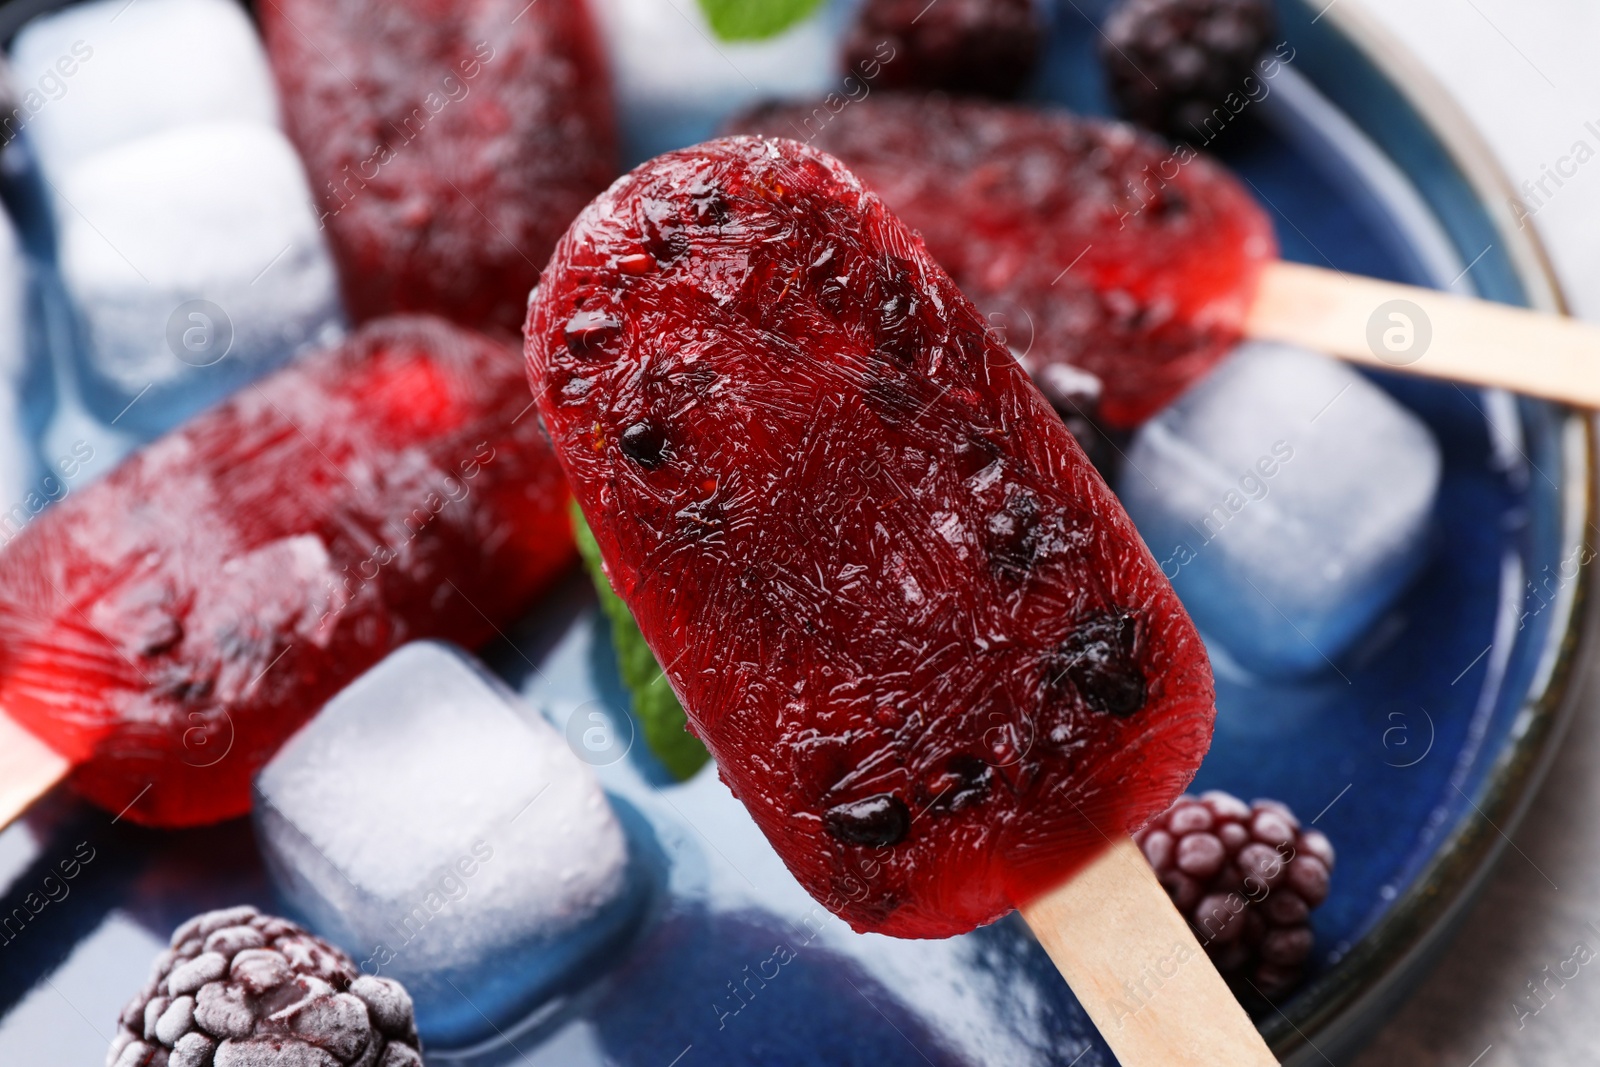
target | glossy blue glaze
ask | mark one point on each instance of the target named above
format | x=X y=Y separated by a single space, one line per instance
x=1385 y=753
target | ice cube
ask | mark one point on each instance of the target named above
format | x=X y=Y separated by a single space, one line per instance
x=675 y=80
x=447 y=841
x=196 y=263
x=20 y=473
x=95 y=75
x=1289 y=500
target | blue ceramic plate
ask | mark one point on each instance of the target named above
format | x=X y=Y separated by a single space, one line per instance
x=1416 y=757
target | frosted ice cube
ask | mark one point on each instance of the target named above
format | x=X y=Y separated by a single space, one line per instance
x=100 y=74
x=195 y=260
x=13 y=303
x=675 y=81
x=447 y=841
x=19 y=461
x=1288 y=498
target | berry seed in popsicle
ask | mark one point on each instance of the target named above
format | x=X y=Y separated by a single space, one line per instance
x=167 y=628
x=923 y=640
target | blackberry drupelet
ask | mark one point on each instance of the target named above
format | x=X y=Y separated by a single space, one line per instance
x=1172 y=64
x=1246 y=876
x=983 y=47
x=242 y=989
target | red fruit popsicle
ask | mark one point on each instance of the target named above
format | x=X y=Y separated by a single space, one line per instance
x=920 y=635
x=167 y=628
x=450 y=142
x=1091 y=245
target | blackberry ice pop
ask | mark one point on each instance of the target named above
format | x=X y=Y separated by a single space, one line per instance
x=449 y=143
x=925 y=644
x=167 y=628
x=1102 y=251
x=1096 y=249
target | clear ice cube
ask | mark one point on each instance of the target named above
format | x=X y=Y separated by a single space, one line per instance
x=21 y=493
x=1289 y=500
x=92 y=76
x=195 y=262
x=447 y=841
x=675 y=81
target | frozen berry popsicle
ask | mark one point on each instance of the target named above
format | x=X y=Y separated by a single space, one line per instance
x=1091 y=247
x=924 y=642
x=449 y=142
x=167 y=628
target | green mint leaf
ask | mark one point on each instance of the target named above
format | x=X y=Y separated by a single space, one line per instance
x=755 y=20
x=661 y=717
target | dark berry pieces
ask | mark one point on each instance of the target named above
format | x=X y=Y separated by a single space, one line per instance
x=1013 y=539
x=242 y=989
x=645 y=443
x=1173 y=64
x=1246 y=876
x=591 y=331
x=1101 y=661
x=985 y=47
x=965 y=780
x=875 y=822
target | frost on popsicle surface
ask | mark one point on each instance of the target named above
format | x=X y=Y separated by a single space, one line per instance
x=171 y=625
x=1088 y=245
x=924 y=642
x=449 y=143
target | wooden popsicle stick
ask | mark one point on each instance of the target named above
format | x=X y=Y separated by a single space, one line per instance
x=1438 y=335
x=1138 y=970
x=28 y=768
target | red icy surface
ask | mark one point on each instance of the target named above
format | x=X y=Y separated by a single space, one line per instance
x=449 y=142
x=921 y=637
x=1086 y=243
x=172 y=625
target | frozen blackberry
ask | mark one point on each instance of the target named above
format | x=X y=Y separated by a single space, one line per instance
x=1075 y=395
x=1246 y=876
x=986 y=47
x=242 y=989
x=1172 y=64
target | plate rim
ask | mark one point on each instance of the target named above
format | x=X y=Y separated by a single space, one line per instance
x=1342 y=1010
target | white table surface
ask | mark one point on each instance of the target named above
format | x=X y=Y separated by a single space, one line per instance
x=1528 y=73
